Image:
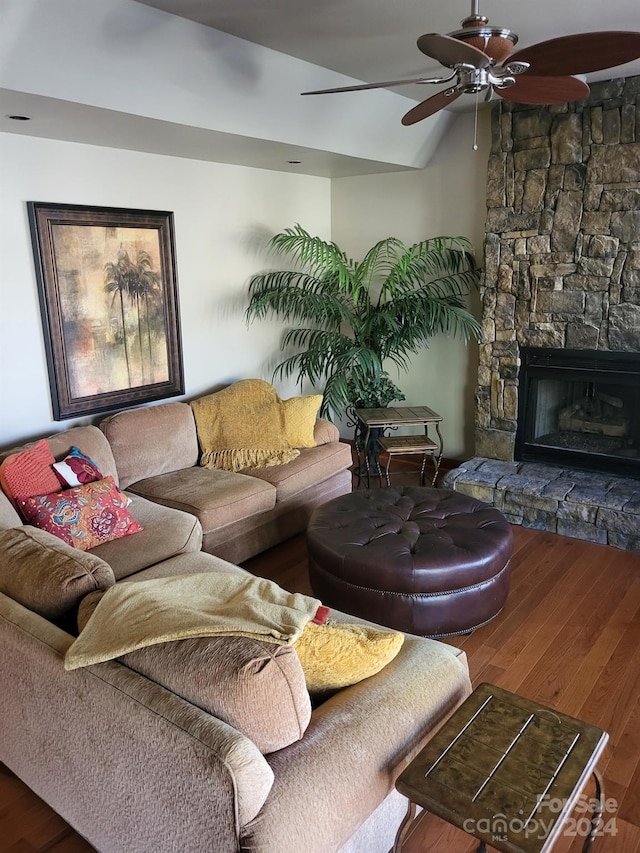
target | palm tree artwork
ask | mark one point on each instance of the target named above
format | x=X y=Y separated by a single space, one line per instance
x=139 y=286
x=349 y=319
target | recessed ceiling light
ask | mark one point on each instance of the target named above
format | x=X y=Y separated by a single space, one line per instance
x=19 y=118
x=294 y=162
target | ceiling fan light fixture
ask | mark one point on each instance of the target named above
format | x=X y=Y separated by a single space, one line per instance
x=472 y=80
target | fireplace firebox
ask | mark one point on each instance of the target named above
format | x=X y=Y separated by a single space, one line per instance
x=580 y=408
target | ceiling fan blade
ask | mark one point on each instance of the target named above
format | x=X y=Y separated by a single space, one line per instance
x=580 y=53
x=383 y=85
x=544 y=90
x=451 y=52
x=430 y=106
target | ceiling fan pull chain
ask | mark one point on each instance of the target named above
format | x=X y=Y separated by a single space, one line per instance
x=475 y=124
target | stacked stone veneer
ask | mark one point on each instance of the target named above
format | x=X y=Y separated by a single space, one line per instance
x=562 y=500
x=562 y=244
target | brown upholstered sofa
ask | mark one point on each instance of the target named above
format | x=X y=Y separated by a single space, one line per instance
x=134 y=765
x=156 y=453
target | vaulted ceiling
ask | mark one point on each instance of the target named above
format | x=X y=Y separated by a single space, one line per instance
x=222 y=80
x=373 y=40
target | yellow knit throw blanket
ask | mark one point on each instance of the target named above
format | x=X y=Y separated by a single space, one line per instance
x=242 y=426
x=134 y=615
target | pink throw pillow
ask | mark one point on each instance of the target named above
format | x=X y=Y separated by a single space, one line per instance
x=84 y=516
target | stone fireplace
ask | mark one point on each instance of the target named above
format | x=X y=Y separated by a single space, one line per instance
x=561 y=272
x=579 y=407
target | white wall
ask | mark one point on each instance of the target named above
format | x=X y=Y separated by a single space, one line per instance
x=221 y=213
x=446 y=198
x=130 y=59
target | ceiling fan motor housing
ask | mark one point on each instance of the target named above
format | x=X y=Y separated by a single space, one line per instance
x=496 y=42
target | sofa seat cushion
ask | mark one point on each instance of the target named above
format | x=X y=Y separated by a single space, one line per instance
x=356 y=744
x=46 y=575
x=189 y=563
x=165 y=532
x=215 y=497
x=314 y=465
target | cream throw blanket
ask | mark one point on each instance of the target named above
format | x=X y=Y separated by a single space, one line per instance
x=133 y=615
x=242 y=426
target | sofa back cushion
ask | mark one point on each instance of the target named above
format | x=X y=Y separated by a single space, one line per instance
x=151 y=440
x=256 y=687
x=88 y=439
x=45 y=574
x=8 y=514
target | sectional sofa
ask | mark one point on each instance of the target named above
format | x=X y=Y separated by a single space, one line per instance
x=146 y=754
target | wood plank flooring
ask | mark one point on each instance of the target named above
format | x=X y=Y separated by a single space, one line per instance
x=568 y=637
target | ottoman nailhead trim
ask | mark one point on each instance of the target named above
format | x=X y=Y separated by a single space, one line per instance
x=418 y=595
x=466 y=630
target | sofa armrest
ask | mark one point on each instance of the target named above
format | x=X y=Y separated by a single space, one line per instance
x=324 y=432
x=130 y=765
x=355 y=746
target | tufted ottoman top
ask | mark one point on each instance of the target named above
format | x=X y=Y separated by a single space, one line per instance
x=410 y=540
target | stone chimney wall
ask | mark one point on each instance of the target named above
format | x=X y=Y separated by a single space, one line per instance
x=562 y=242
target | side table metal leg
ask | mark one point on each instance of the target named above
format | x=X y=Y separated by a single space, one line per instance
x=482 y=847
x=404 y=827
x=597 y=811
x=424 y=463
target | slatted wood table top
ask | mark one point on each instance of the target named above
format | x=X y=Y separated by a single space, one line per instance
x=506 y=770
x=398 y=416
x=407 y=444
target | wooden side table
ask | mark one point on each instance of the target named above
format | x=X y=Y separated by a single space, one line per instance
x=394 y=417
x=507 y=771
x=411 y=445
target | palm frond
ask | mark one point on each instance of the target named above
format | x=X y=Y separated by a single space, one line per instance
x=296 y=296
x=348 y=318
x=313 y=254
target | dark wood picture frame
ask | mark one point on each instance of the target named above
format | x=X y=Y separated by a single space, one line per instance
x=108 y=296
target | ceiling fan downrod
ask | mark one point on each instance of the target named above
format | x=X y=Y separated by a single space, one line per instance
x=475 y=17
x=496 y=42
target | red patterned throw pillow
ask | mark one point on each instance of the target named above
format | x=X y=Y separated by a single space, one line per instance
x=84 y=516
x=76 y=469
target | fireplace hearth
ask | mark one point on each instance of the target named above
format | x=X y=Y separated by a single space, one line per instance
x=579 y=408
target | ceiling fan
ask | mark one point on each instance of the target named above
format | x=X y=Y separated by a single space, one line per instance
x=481 y=60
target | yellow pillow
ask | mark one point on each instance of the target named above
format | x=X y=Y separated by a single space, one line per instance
x=300 y=415
x=334 y=655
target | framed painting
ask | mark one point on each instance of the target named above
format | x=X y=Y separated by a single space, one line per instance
x=109 y=302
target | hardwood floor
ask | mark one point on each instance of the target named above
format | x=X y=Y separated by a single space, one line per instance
x=569 y=637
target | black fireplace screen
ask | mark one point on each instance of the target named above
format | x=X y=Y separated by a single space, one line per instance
x=580 y=408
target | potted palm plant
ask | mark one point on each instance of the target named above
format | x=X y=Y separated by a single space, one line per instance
x=347 y=318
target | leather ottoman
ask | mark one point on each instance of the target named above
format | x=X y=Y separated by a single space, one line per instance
x=426 y=561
